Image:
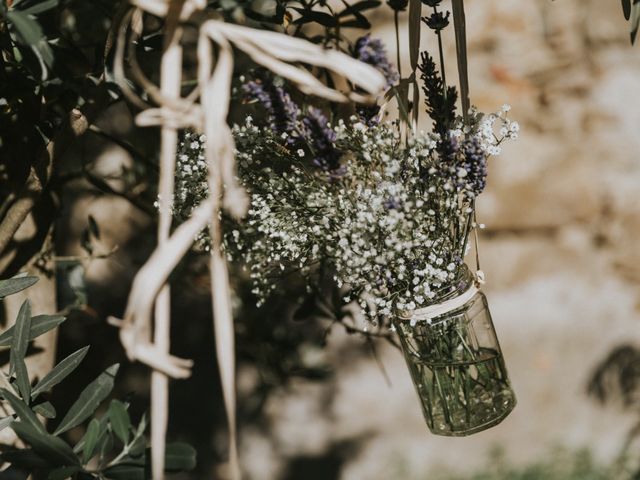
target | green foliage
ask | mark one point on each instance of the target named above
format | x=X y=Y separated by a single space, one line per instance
x=40 y=324
x=15 y=285
x=115 y=448
x=89 y=400
x=59 y=372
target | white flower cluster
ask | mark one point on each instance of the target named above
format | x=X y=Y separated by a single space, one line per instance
x=391 y=227
x=492 y=135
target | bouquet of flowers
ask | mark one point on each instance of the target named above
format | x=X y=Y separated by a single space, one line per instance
x=387 y=213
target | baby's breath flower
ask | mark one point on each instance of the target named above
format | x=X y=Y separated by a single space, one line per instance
x=390 y=226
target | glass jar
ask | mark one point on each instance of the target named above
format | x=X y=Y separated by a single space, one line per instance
x=455 y=361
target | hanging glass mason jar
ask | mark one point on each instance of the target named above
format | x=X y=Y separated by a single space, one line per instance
x=455 y=360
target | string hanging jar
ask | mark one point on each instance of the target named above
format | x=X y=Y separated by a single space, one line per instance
x=455 y=361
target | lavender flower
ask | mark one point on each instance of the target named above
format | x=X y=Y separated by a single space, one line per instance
x=475 y=165
x=392 y=203
x=441 y=105
x=392 y=230
x=283 y=112
x=321 y=140
x=368 y=114
x=371 y=50
x=436 y=21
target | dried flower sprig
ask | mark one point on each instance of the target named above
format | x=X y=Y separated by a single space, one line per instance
x=372 y=51
x=440 y=100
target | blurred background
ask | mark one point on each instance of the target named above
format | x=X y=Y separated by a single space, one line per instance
x=560 y=253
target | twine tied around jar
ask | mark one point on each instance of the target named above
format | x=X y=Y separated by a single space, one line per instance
x=430 y=312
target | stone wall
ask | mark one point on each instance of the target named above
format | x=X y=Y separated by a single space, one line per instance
x=560 y=254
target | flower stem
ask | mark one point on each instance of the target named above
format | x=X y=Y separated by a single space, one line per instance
x=397 y=25
x=440 y=51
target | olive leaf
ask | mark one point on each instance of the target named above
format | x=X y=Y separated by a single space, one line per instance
x=179 y=456
x=120 y=421
x=46 y=409
x=5 y=422
x=126 y=471
x=59 y=372
x=15 y=284
x=89 y=400
x=91 y=439
x=64 y=473
x=19 y=346
x=22 y=410
x=51 y=448
x=38 y=7
x=103 y=425
x=40 y=324
x=25 y=458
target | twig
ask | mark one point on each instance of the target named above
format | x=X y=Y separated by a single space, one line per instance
x=384 y=335
x=379 y=361
x=441 y=52
x=104 y=186
x=40 y=173
x=125 y=145
x=80 y=258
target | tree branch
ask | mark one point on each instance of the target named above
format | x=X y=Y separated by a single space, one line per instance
x=42 y=169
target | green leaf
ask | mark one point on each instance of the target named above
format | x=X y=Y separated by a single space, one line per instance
x=322 y=18
x=359 y=7
x=22 y=410
x=24 y=458
x=39 y=7
x=63 y=473
x=40 y=324
x=89 y=400
x=120 y=421
x=22 y=379
x=5 y=422
x=59 y=372
x=90 y=440
x=105 y=443
x=400 y=92
x=51 y=448
x=28 y=29
x=20 y=341
x=15 y=285
x=179 y=457
x=44 y=50
x=46 y=409
x=18 y=351
x=138 y=446
x=139 y=442
x=415 y=11
x=360 y=21
x=626 y=9
x=125 y=471
x=103 y=425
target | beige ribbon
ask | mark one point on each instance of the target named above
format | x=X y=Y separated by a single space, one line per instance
x=272 y=50
x=427 y=314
